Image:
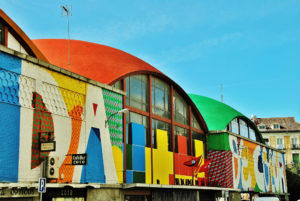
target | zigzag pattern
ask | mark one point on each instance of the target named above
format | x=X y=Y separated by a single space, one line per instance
x=220 y=171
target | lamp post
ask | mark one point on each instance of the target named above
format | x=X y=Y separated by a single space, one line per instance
x=125 y=110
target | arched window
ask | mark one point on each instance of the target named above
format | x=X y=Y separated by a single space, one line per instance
x=137 y=92
x=243 y=128
x=160 y=98
x=180 y=109
x=150 y=102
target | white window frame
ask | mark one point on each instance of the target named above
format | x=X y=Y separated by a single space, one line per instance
x=294 y=142
x=281 y=145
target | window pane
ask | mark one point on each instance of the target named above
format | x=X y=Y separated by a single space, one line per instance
x=156 y=124
x=180 y=109
x=118 y=85
x=195 y=123
x=234 y=126
x=184 y=132
x=139 y=119
x=243 y=129
x=137 y=91
x=279 y=141
x=160 y=98
x=197 y=136
x=252 y=134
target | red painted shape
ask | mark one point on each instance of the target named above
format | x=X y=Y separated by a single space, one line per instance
x=182 y=144
x=98 y=62
x=171 y=179
x=176 y=163
x=183 y=168
x=205 y=167
x=95 y=108
x=181 y=158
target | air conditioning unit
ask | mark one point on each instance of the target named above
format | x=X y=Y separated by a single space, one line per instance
x=52 y=167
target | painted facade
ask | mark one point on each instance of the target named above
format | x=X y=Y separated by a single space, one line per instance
x=250 y=166
x=50 y=106
x=238 y=157
x=167 y=167
x=42 y=105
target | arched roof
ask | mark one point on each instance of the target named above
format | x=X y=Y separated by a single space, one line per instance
x=218 y=115
x=98 y=62
x=23 y=39
x=103 y=63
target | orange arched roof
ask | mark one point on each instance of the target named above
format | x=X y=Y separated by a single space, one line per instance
x=102 y=63
x=23 y=39
x=98 y=62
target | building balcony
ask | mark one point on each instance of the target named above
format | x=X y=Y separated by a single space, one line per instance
x=280 y=146
x=295 y=146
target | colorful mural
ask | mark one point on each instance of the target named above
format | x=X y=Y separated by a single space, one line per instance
x=50 y=106
x=167 y=168
x=56 y=107
x=252 y=167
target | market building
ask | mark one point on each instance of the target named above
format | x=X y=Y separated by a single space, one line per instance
x=239 y=157
x=101 y=124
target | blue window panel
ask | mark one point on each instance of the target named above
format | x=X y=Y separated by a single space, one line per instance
x=9 y=87
x=10 y=63
x=9 y=142
x=129 y=176
x=138 y=158
x=93 y=172
x=138 y=134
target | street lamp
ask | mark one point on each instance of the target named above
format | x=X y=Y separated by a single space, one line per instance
x=125 y=110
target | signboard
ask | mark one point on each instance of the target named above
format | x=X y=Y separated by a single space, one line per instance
x=47 y=146
x=79 y=159
x=18 y=192
x=42 y=185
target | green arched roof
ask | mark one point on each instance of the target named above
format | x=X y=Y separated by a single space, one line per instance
x=218 y=115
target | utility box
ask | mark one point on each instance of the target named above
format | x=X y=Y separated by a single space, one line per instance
x=52 y=167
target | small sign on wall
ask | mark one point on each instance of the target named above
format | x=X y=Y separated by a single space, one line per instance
x=47 y=146
x=79 y=159
x=42 y=185
x=18 y=192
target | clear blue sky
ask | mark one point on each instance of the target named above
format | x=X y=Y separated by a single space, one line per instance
x=251 y=47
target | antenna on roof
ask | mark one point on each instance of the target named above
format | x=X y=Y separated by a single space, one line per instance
x=67 y=11
x=222 y=93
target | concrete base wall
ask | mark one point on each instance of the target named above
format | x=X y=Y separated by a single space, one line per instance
x=105 y=195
